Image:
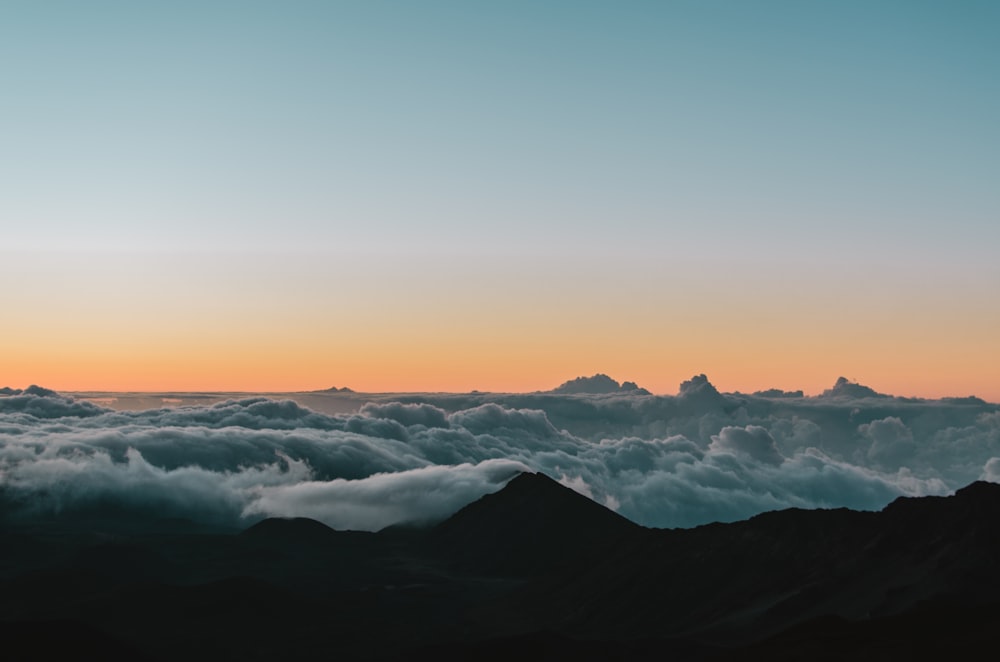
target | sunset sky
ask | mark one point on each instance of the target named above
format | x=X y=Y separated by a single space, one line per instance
x=400 y=196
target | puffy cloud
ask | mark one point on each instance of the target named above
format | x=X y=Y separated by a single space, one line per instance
x=991 y=470
x=417 y=495
x=723 y=488
x=844 y=388
x=251 y=413
x=492 y=418
x=38 y=402
x=699 y=389
x=659 y=460
x=94 y=483
x=408 y=414
x=598 y=384
x=751 y=441
x=892 y=441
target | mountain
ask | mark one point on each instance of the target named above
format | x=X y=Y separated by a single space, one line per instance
x=782 y=568
x=535 y=569
x=299 y=530
x=64 y=640
x=529 y=526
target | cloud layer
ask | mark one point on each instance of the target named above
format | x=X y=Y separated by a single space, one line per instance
x=662 y=461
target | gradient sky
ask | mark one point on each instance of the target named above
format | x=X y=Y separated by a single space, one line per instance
x=456 y=195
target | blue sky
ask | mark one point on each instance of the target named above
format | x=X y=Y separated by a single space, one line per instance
x=809 y=140
x=454 y=123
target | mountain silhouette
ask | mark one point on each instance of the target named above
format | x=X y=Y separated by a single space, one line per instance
x=534 y=569
x=526 y=527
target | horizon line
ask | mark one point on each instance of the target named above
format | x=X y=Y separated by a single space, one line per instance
x=348 y=391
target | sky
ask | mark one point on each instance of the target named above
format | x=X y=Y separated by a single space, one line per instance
x=402 y=196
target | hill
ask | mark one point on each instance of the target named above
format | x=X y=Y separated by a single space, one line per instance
x=534 y=567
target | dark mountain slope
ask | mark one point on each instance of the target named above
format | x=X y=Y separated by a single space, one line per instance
x=300 y=530
x=746 y=579
x=531 y=526
x=531 y=570
x=940 y=630
x=58 y=640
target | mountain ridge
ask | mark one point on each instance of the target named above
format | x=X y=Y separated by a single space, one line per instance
x=532 y=562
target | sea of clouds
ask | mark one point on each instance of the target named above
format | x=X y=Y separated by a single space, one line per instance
x=661 y=461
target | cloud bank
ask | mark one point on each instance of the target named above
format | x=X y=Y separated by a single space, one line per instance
x=663 y=461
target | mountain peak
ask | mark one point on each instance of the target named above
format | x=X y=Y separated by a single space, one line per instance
x=527 y=526
x=536 y=496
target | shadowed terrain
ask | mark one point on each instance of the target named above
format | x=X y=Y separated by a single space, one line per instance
x=534 y=570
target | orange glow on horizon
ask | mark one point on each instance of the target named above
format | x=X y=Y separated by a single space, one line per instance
x=502 y=372
x=509 y=331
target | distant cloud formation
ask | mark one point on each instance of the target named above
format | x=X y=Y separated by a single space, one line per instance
x=847 y=389
x=663 y=461
x=598 y=384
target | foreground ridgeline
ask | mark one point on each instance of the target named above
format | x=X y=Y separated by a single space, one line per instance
x=534 y=571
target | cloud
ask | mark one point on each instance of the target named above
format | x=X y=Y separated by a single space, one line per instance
x=492 y=418
x=93 y=483
x=38 y=402
x=844 y=388
x=892 y=441
x=991 y=470
x=667 y=461
x=751 y=441
x=724 y=488
x=598 y=384
x=408 y=415
x=428 y=494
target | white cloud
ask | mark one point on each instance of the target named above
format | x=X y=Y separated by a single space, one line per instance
x=991 y=470
x=426 y=494
x=661 y=461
